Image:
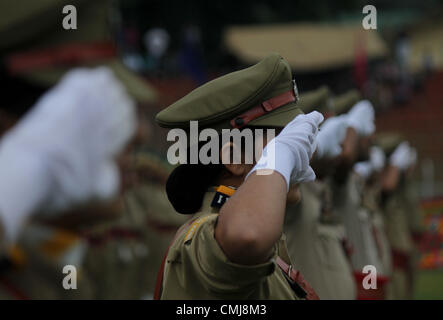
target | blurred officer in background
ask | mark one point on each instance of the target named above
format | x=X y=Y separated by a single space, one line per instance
x=67 y=142
x=234 y=249
x=312 y=238
x=347 y=186
x=149 y=206
x=368 y=234
x=409 y=201
x=326 y=264
x=138 y=240
x=401 y=158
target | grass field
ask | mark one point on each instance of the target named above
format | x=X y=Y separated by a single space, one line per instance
x=429 y=284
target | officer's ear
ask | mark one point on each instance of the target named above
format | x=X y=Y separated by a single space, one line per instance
x=231 y=157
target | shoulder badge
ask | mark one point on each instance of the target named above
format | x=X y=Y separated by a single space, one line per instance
x=194 y=227
x=222 y=194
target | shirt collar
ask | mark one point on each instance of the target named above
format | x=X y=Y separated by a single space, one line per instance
x=207 y=201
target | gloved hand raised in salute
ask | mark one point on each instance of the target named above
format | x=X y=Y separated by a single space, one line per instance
x=290 y=152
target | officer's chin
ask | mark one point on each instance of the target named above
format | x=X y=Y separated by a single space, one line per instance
x=294 y=194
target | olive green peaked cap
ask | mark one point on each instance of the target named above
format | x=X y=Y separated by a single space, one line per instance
x=34 y=28
x=388 y=141
x=223 y=102
x=344 y=102
x=318 y=99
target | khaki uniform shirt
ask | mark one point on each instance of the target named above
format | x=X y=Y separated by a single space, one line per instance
x=410 y=204
x=135 y=242
x=399 y=235
x=197 y=268
x=357 y=220
x=371 y=203
x=315 y=243
x=397 y=227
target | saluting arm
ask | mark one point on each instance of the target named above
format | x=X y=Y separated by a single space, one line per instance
x=399 y=161
x=391 y=179
x=347 y=157
x=251 y=222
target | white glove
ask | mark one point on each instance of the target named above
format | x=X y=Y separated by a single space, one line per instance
x=61 y=153
x=377 y=158
x=364 y=169
x=375 y=164
x=413 y=157
x=401 y=157
x=361 y=117
x=330 y=136
x=290 y=152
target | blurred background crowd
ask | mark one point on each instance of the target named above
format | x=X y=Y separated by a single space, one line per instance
x=168 y=48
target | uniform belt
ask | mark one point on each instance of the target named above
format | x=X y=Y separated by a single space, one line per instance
x=297 y=282
x=161 y=227
x=370 y=294
x=114 y=233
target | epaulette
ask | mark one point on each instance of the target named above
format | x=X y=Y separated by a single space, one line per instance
x=195 y=226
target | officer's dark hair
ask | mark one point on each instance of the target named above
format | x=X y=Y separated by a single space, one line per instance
x=187 y=184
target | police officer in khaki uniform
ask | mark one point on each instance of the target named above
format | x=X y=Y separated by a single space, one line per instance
x=382 y=253
x=325 y=265
x=37 y=52
x=366 y=229
x=347 y=187
x=401 y=157
x=410 y=204
x=234 y=249
x=372 y=202
x=149 y=209
x=126 y=241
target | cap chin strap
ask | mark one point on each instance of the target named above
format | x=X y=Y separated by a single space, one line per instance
x=263 y=108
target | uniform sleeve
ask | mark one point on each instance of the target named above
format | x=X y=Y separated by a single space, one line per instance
x=213 y=268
